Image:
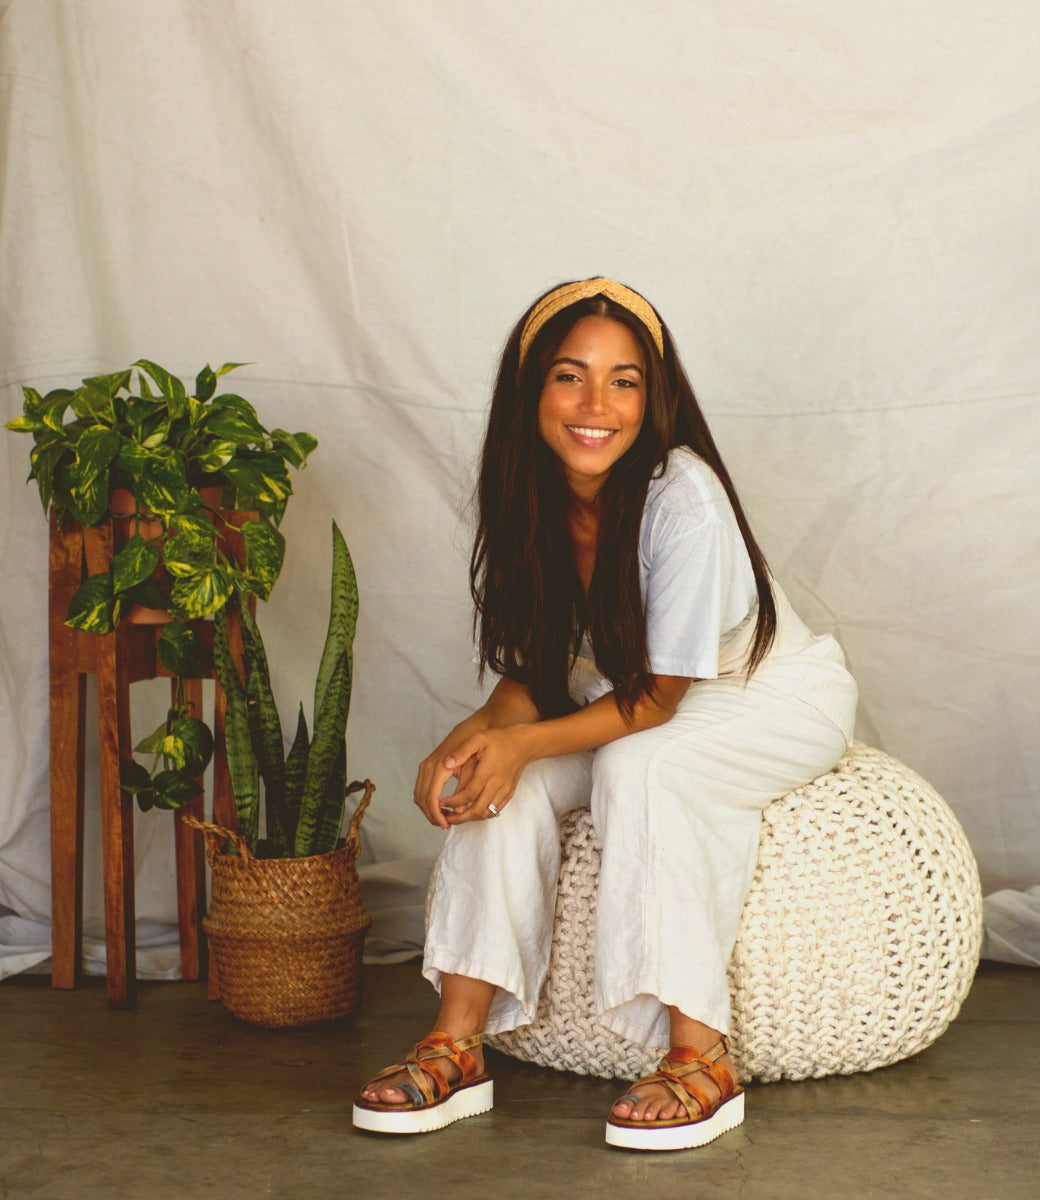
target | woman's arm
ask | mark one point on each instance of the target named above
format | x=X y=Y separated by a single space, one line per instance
x=487 y=759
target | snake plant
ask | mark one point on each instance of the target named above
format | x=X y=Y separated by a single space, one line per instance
x=304 y=790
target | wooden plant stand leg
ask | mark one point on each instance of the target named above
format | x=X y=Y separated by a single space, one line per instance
x=68 y=693
x=191 y=865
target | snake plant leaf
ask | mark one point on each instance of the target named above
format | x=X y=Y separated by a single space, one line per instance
x=296 y=764
x=202 y=594
x=93 y=607
x=169 y=385
x=190 y=552
x=265 y=550
x=188 y=745
x=343 y=616
x=133 y=564
x=327 y=742
x=172 y=789
x=330 y=823
x=205 y=383
x=242 y=765
x=265 y=728
x=180 y=651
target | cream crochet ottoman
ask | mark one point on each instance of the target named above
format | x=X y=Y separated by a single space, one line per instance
x=858 y=942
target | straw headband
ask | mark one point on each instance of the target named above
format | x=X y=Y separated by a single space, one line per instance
x=571 y=293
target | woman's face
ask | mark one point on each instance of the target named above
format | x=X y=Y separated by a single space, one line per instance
x=593 y=400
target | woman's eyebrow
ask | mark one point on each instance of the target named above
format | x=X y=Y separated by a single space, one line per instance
x=577 y=362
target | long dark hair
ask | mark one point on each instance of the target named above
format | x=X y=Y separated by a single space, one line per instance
x=531 y=609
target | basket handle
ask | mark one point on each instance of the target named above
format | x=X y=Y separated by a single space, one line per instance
x=353 y=839
x=217 y=837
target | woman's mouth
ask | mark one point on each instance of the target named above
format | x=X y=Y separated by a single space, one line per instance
x=589 y=435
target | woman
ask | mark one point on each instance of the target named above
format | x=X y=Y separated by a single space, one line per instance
x=649 y=666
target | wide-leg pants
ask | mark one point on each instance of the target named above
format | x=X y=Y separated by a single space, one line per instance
x=678 y=812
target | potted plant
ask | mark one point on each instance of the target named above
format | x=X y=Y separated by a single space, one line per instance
x=165 y=465
x=286 y=924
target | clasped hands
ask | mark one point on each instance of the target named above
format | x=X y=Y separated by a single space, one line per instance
x=486 y=767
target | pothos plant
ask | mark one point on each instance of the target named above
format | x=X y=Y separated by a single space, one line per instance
x=143 y=431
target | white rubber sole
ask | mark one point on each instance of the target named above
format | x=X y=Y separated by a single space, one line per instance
x=679 y=1137
x=468 y=1101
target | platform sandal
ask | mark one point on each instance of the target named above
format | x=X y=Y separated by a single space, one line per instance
x=434 y=1100
x=706 y=1117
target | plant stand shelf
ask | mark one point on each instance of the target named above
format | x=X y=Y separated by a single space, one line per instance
x=117 y=659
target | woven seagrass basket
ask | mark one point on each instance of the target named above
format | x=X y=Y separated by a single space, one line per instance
x=286 y=934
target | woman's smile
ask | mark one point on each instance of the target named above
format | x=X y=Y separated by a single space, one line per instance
x=593 y=400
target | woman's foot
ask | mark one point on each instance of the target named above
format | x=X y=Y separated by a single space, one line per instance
x=650 y=1100
x=387 y=1090
x=691 y=1099
x=441 y=1081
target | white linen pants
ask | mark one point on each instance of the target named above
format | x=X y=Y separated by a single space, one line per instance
x=678 y=812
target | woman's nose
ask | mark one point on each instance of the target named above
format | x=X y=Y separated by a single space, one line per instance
x=594 y=397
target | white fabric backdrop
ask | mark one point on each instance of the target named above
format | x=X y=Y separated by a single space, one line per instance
x=833 y=206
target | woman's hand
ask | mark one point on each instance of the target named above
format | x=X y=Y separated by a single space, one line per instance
x=488 y=766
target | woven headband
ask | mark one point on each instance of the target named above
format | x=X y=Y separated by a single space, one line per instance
x=571 y=293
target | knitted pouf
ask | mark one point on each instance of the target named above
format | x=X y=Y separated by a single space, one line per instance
x=858 y=942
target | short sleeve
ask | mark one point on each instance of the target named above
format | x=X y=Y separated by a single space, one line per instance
x=698 y=581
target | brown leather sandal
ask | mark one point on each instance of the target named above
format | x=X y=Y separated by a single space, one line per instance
x=434 y=1100
x=706 y=1117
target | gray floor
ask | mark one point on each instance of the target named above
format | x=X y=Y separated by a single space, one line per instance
x=177 y=1099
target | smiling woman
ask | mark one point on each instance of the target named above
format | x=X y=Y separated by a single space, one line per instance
x=651 y=669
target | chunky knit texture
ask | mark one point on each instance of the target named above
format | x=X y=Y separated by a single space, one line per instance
x=858 y=942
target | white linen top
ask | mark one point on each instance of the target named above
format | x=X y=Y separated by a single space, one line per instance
x=695 y=571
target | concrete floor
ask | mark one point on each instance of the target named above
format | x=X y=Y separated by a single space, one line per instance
x=178 y=1099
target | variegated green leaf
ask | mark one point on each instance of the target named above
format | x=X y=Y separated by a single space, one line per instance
x=53 y=408
x=205 y=383
x=133 y=564
x=189 y=553
x=170 y=386
x=228 y=422
x=92 y=403
x=173 y=789
x=216 y=456
x=92 y=607
x=163 y=484
x=226 y=368
x=23 y=424
x=202 y=595
x=189 y=745
x=152 y=744
x=180 y=651
x=265 y=550
x=132 y=457
x=294 y=446
x=89 y=499
x=95 y=450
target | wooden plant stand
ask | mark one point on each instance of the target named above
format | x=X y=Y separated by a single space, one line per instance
x=117 y=659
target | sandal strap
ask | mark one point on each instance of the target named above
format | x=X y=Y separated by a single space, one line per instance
x=422 y=1069
x=683 y=1061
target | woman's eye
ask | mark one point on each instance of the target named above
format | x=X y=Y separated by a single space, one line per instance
x=626 y=383
x=564 y=376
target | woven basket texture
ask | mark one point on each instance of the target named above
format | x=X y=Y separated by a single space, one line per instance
x=858 y=942
x=287 y=934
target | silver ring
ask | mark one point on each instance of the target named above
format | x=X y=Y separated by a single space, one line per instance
x=492 y=810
